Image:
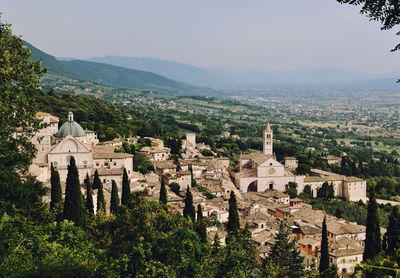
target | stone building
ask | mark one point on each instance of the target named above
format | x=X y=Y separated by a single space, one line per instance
x=57 y=146
x=261 y=171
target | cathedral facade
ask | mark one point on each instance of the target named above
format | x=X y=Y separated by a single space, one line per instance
x=261 y=171
x=57 y=145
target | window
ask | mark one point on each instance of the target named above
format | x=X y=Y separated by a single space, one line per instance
x=105 y=163
x=97 y=164
x=115 y=163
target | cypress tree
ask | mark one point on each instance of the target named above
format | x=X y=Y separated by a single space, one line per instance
x=285 y=255
x=73 y=206
x=163 y=192
x=373 y=243
x=324 y=260
x=101 y=203
x=126 y=190
x=89 y=197
x=189 y=210
x=200 y=227
x=233 y=220
x=216 y=244
x=56 y=192
x=96 y=180
x=392 y=236
x=114 y=203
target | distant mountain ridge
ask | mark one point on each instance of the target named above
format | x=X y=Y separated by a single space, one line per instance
x=173 y=70
x=230 y=77
x=115 y=76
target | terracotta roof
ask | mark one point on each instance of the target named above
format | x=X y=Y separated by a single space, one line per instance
x=109 y=172
x=97 y=155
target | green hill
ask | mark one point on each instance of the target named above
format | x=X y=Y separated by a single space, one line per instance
x=114 y=75
x=54 y=66
x=133 y=79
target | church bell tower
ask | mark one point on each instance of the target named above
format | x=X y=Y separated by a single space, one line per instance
x=268 y=140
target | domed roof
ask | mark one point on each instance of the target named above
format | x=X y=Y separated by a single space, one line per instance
x=70 y=127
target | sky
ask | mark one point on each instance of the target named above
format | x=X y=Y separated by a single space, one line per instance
x=245 y=34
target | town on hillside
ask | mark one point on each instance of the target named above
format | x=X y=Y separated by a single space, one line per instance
x=266 y=189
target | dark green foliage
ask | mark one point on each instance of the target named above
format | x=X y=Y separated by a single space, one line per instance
x=73 y=207
x=303 y=169
x=331 y=272
x=189 y=211
x=200 y=226
x=142 y=164
x=101 y=203
x=175 y=187
x=47 y=250
x=237 y=259
x=89 y=196
x=177 y=163
x=326 y=191
x=392 y=236
x=126 y=190
x=307 y=191
x=96 y=180
x=292 y=190
x=114 y=202
x=373 y=243
x=233 y=220
x=174 y=143
x=56 y=192
x=285 y=256
x=163 y=192
x=19 y=83
x=324 y=260
x=207 y=152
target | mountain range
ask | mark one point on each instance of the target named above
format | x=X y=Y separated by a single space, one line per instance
x=323 y=78
x=114 y=75
x=182 y=79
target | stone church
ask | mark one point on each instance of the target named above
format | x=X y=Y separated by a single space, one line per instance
x=57 y=146
x=261 y=171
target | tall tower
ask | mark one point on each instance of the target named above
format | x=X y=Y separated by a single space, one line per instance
x=268 y=140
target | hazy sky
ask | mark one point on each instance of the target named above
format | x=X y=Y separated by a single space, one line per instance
x=271 y=34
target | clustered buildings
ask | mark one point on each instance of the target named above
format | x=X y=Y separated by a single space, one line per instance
x=259 y=182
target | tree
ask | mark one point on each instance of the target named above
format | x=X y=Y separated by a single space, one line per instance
x=233 y=218
x=384 y=11
x=307 y=191
x=56 y=192
x=114 y=202
x=163 y=192
x=19 y=84
x=126 y=190
x=175 y=187
x=73 y=207
x=200 y=227
x=101 y=203
x=324 y=260
x=189 y=211
x=373 y=244
x=303 y=169
x=292 y=190
x=330 y=192
x=177 y=163
x=392 y=236
x=96 y=180
x=285 y=255
x=89 y=196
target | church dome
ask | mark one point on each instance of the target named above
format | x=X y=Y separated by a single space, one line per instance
x=70 y=127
